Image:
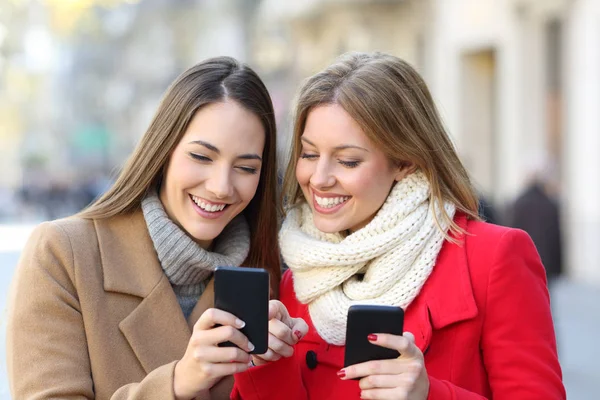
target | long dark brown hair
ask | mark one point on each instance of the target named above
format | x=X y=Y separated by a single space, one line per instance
x=211 y=81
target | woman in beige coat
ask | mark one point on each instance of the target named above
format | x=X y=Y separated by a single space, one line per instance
x=116 y=302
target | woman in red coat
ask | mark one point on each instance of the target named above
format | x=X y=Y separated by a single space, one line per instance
x=381 y=211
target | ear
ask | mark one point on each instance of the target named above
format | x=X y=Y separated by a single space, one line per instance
x=404 y=169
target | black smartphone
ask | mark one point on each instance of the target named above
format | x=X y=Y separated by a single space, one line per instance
x=244 y=292
x=367 y=319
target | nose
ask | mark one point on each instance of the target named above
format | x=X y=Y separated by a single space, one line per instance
x=322 y=176
x=219 y=183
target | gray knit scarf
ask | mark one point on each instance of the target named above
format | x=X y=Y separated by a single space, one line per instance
x=187 y=265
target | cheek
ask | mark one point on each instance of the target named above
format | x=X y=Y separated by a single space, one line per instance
x=247 y=187
x=178 y=172
x=369 y=185
x=302 y=173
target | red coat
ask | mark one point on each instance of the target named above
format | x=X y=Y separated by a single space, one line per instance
x=482 y=321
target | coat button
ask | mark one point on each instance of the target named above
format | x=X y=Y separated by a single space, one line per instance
x=311 y=359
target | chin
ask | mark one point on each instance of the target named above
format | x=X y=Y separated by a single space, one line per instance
x=203 y=233
x=329 y=226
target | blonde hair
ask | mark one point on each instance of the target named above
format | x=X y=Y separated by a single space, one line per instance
x=391 y=103
x=213 y=80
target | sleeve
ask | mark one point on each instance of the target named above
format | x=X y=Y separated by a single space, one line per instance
x=269 y=381
x=518 y=342
x=518 y=339
x=47 y=353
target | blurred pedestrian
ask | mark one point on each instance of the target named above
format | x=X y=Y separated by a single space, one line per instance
x=537 y=213
x=116 y=301
x=382 y=211
x=486 y=210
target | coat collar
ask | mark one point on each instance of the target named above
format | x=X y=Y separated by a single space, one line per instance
x=447 y=296
x=129 y=261
x=156 y=328
x=448 y=292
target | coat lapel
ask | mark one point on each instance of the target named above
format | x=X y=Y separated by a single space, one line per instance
x=156 y=329
x=205 y=302
x=447 y=296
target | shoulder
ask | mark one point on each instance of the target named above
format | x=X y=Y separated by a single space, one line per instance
x=74 y=239
x=72 y=227
x=495 y=253
x=58 y=234
x=487 y=239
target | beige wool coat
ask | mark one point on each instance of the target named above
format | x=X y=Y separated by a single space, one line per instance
x=93 y=316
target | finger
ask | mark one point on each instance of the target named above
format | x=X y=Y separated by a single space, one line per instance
x=381 y=367
x=280 y=347
x=277 y=310
x=384 y=394
x=387 y=381
x=409 y=336
x=299 y=328
x=223 y=334
x=213 y=316
x=282 y=332
x=270 y=355
x=213 y=354
x=404 y=344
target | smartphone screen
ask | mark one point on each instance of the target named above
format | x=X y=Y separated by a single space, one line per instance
x=364 y=320
x=244 y=292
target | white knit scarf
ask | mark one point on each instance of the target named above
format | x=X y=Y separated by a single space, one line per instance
x=386 y=262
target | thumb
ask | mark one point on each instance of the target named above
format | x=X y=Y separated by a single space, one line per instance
x=409 y=336
x=299 y=328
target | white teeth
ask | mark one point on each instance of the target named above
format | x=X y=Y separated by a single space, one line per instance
x=208 y=207
x=329 y=202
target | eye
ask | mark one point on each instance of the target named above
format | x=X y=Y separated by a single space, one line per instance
x=249 y=170
x=349 y=164
x=306 y=156
x=199 y=157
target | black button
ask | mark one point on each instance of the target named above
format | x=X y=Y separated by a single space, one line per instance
x=311 y=359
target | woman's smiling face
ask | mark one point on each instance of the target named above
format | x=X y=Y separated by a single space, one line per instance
x=214 y=171
x=344 y=177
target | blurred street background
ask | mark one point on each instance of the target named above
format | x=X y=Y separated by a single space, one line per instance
x=517 y=83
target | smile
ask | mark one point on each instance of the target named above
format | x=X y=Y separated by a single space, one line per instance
x=207 y=206
x=330 y=202
x=329 y=205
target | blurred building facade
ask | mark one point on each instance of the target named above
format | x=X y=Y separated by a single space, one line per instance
x=80 y=82
x=516 y=81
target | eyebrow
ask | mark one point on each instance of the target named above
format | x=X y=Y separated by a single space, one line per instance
x=340 y=147
x=213 y=148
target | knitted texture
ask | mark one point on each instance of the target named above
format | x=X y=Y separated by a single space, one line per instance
x=386 y=262
x=186 y=264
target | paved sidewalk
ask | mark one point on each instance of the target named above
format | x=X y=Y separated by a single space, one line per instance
x=577 y=320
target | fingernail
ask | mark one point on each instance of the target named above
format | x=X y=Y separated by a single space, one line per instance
x=250 y=346
x=239 y=323
x=341 y=373
x=372 y=337
x=298 y=334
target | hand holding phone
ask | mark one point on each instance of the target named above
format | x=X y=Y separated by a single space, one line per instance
x=244 y=292
x=364 y=320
